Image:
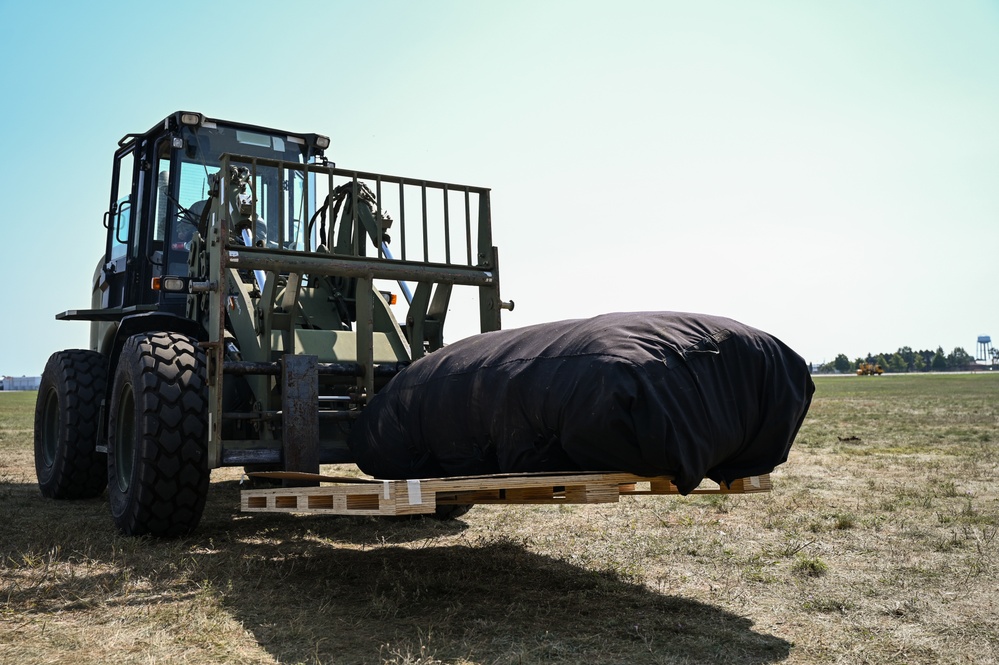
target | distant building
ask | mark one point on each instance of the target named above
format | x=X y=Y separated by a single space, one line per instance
x=21 y=382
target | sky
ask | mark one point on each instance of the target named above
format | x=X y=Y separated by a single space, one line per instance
x=826 y=172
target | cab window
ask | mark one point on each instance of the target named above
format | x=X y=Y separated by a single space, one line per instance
x=121 y=220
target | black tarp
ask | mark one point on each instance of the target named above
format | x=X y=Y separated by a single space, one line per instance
x=649 y=393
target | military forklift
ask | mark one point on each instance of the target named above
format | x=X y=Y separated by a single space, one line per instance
x=247 y=307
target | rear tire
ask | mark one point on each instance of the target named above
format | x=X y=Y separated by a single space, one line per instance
x=67 y=412
x=157 y=466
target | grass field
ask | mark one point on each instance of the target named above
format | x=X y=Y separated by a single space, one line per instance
x=877 y=545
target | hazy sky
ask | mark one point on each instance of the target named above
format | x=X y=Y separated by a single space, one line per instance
x=825 y=171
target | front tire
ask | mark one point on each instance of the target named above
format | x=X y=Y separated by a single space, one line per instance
x=67 y=412
x=157 y=464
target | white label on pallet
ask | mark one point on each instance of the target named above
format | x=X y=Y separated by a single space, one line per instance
x=415 y=497
x=754 y=481
x=385 y=489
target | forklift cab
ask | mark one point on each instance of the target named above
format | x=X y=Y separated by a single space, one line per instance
x=160 y=188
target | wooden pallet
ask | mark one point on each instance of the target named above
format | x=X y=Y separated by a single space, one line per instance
x=362 y=496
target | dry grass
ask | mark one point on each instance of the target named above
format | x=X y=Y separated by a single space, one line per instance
x=878 y=545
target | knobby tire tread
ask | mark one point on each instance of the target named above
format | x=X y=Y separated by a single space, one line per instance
x=77 y=379
x=169 y=479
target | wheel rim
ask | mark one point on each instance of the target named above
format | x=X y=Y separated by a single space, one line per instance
x=50 y=427
x=124 y=443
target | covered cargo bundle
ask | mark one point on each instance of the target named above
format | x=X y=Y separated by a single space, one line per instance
x=648 y=393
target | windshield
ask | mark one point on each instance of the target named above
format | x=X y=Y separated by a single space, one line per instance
x=281 y=207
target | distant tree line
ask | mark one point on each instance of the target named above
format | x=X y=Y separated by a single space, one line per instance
x=903 y=360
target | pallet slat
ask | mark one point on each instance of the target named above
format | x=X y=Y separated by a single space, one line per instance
x=413 y=497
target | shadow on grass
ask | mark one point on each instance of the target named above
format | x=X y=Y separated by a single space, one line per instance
x=337 y=590
x=492 y=602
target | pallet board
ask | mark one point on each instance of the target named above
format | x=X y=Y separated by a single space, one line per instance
x=363 y=496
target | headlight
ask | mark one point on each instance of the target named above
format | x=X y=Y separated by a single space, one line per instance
x=319 y=141
x=191 y=118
